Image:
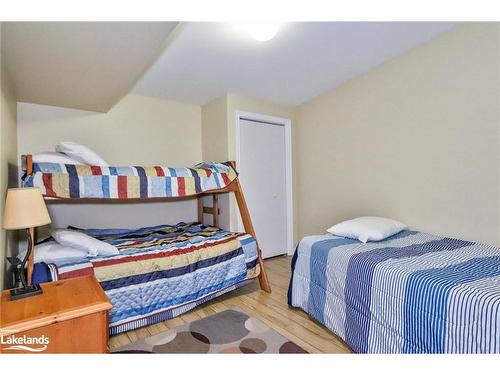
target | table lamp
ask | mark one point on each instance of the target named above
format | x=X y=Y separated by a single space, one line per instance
x=25 y=209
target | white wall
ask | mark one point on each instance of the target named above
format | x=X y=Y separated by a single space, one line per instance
x=416 y=139
x=137 y=131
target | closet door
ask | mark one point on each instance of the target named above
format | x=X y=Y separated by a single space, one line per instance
x=262 y=168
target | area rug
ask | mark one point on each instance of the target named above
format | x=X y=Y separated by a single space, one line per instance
x=229 y=331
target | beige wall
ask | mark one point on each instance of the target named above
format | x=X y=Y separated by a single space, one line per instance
x=416 y=139
x=214 y=130
x=8 y=157
x=137 y=131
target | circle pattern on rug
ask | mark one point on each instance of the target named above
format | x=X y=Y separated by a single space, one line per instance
x=291 y=348
x=255 y=325
x=229 y=331
x=200 y=337
x=185 y=342
x=215 y=327
x=253 y=346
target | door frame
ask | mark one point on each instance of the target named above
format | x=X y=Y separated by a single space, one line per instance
x=287 y=123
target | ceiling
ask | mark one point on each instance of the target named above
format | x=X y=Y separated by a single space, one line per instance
x=85 y=65
x=92 y=65
x=305 y=59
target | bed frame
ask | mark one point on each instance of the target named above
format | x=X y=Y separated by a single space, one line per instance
x=233 y=187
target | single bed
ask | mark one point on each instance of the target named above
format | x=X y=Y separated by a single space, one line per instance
x=410 y=293
x=163 y=271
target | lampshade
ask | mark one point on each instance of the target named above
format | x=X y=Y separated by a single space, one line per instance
x=25 y=208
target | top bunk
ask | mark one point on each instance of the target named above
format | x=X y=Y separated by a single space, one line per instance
x=86 y=182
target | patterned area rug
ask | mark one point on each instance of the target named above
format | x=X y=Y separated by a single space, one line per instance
x=230 y=331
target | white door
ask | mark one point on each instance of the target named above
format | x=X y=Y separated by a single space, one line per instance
x=262 y=168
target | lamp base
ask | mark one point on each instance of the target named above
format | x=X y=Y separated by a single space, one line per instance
x=28 y=291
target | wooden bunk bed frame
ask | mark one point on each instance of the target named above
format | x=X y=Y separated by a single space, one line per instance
x=233 y=187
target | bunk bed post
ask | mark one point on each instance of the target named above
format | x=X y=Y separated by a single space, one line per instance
x=247 y=224
x=200 y=209
x=27 y=164
x=215 y=208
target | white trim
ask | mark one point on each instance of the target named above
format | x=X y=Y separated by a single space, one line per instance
x=287 y=123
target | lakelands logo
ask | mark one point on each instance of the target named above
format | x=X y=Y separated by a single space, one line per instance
x=23 y=343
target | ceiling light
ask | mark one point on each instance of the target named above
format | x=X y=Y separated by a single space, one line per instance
x=260 y=31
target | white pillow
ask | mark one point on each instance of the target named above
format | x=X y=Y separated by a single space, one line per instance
x=79 y=240
x=54 y=157
x=51 y=252
x=80 y=153
x=367 y=228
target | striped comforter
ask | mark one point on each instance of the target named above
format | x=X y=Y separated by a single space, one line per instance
x=85 y=181
x=163 y=271
x=411 y=293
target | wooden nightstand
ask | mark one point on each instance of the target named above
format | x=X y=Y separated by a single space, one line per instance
x=71 y=316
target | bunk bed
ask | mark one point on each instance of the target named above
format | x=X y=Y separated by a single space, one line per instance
x=165 y=270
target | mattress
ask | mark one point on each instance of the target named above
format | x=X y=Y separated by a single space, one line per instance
x=163 y=271
x=411 y=293
x=95 y=182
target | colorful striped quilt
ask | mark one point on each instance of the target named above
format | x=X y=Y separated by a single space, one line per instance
x=165 y=270
x=85 y=181
x=411 y=293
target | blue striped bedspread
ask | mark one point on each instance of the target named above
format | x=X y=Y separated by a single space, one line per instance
x=411 y=293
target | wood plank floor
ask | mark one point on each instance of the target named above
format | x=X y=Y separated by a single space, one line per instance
x=272 y=309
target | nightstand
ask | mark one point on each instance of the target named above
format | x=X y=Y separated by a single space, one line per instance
x=71 y=316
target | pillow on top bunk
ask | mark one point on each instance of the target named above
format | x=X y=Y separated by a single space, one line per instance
x=51 y=252
x=367 y=228
x=54 y=157
x=82 y=241
x=81 y=153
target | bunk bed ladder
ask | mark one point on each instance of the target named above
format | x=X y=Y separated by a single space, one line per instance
x=247 y=224
x=214 y=210
x=245 y=218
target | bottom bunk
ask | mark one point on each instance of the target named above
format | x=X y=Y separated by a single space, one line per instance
x=162 y=271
